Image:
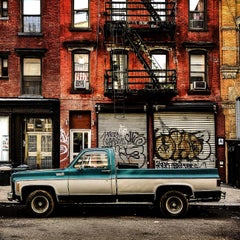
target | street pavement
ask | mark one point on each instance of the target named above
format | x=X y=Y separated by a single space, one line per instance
x=232 y=198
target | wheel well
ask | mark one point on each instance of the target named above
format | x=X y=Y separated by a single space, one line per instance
x=180 y=188
x=29 y=189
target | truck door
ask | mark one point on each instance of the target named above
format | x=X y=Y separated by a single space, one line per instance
x=91 y=178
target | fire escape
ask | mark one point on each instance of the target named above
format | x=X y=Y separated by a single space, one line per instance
x=140 y=26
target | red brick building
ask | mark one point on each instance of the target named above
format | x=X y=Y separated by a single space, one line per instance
x=142 y=77
x=29 y=83
x=139 y=76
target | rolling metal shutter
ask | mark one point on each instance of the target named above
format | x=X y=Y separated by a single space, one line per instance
x=184 y=140
x=127 y=134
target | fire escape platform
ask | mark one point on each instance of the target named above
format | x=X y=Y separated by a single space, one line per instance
x=138 y=26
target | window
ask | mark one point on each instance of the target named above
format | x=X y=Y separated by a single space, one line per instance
x=119 y=10
x=3 y=66
x=197 y=14
x=160 y=8
x=79 y=139
x=93 y=160
x=198 y=71
x=32 y=79
x=3 y=8
x=31 y=16
x=159 y=63
x=81 y=70
x=80 y=13
x=119 y=63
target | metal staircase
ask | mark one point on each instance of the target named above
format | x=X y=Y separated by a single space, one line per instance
x=152 y=11
x=141 y=50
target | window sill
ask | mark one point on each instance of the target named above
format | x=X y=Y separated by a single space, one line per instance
x=81 y=91
x=30 y=96
x=4 y=18
x=197 y=30
x=4 y=78
x=73 y=29
x=199 y=92
x=28 y=34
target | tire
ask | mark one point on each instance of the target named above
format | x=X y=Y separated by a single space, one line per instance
x=40 y=203
x=173 y=204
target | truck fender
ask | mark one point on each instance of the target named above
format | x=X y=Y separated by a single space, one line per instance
x=29 y=189
x=183 y=188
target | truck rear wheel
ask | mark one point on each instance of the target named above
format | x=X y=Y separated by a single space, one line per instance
x=40 y=203
x=173 y=204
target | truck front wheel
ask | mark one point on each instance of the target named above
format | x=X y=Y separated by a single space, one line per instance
x=173 y=204
x=40 y=203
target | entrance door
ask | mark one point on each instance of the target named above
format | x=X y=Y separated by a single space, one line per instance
x=39 y=150
x=38 y=143
x=79 y=139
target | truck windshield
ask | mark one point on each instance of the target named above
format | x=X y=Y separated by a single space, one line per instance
x=92 y=160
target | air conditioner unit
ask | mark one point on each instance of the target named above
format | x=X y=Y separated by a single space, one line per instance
x=80 y=84
x=198 y=85
x=196 y=24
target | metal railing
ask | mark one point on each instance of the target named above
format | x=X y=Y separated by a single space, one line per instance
x=140 y=13
x=134 y=81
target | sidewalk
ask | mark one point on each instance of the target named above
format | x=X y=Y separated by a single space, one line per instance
x=232 y=196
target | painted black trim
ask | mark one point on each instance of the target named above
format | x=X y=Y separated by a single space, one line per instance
x=208 y=195
x=106 y=198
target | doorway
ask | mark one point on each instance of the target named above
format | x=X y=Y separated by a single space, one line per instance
x=38 y=143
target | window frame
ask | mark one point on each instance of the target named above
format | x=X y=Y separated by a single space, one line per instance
x=86 y=85
x=31 y=78
x=4 y=60
x=3 y=9
x=73 y=25
x=161 y=71
x=121 y=75
x=198 y=76
x=194 y=17
x=32 y=15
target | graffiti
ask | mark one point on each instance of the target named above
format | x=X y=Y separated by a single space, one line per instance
x=128 y=145
x=174 y=144
x=64 y=146
x=178 y=164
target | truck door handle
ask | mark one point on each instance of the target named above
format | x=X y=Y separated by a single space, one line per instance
x=106 y=171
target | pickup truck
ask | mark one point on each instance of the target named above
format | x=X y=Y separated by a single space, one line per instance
x=94 y=177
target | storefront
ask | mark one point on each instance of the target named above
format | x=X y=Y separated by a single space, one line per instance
x=30 y=132
x=180 y=135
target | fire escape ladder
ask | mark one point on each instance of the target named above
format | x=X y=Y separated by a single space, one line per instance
x=139 y=48
x=154 y=14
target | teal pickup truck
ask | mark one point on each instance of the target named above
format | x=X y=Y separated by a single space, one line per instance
x=94 y=177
